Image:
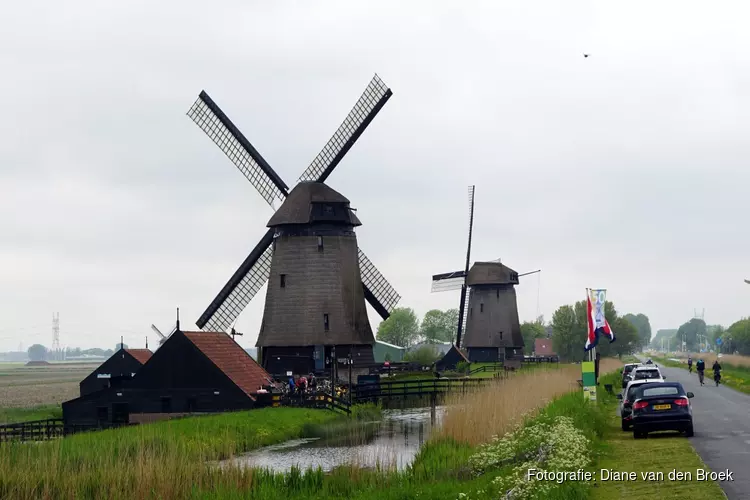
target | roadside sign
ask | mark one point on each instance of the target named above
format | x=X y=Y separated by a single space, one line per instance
x=718 y=341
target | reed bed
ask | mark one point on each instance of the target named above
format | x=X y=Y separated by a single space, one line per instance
x=734 y=360
x=500 y=405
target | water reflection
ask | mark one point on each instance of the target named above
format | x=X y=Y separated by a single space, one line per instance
x=395 y=443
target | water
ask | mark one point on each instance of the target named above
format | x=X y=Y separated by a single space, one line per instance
x=394 y=443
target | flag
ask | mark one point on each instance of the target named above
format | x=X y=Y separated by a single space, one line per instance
x=596 y=322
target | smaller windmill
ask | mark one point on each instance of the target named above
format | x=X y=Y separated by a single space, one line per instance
x=488 y=313
x=162 y=338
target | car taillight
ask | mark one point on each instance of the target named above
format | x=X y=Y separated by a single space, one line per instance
x=640 y=404
x=681 y=402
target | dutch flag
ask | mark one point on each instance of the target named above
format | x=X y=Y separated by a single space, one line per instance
x=593 y=331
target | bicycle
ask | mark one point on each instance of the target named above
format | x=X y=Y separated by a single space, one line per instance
x=717 y=377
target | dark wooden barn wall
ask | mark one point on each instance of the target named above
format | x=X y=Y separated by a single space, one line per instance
x=299 y=360
x=120 y=365
x=178 y=373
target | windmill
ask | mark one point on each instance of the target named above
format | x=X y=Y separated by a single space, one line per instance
x=163 y=338
x=310 y=210
x=488 y=313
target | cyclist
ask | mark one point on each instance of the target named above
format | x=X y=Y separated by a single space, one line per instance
x=717 y=371
x=700 y=366
x=690 y=364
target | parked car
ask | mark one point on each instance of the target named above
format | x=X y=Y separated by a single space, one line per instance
x=626 y=400
x=626 y=373
x=646 y=372
x=662 y=406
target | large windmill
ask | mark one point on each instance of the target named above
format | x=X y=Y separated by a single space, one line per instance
x=488 y=313
x=311 y=208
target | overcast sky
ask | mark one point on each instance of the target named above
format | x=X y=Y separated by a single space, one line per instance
x=626 y=170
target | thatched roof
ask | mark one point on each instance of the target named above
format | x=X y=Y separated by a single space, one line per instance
x=314 y=202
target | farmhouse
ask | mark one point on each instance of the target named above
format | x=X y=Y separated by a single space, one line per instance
x=383 y=351
x=543 y=347
x=122 y=366
x=192 y=372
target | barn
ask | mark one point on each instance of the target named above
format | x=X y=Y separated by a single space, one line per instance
x=121 y=366
x=451 y=359
x=192 y=372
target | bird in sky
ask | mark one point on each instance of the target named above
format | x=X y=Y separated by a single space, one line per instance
x=585 y=55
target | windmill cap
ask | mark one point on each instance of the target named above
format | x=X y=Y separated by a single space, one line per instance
x=312 y=202
x=491 y=273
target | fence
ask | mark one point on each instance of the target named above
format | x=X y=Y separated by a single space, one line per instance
x=417 y=387
x=35 y=430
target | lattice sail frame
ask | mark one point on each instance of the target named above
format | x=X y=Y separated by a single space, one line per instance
x=209 y=117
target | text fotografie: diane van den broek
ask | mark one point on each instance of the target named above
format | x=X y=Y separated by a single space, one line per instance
x=615 y=475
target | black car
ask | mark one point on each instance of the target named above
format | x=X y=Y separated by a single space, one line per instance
x=626 y=401
x=661 y=406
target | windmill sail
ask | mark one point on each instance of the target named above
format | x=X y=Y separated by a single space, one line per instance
x=254 y=271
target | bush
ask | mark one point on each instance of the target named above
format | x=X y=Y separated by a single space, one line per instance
x=425 y=355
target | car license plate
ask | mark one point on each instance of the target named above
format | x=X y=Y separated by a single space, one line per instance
x=662 y=407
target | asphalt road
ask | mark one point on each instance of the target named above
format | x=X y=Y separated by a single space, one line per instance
x=721 y=419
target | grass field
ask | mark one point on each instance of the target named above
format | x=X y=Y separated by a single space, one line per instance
x=25 y=387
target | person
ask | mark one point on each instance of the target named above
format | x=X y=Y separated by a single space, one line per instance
x=700 y=366
x=303 y=384
x=291 y=384
x=690 y=364
x=717 y=370
x=312 y=382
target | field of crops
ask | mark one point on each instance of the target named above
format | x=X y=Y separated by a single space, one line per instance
x=29 y=386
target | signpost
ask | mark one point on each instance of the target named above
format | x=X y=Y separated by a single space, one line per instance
x=588 y=379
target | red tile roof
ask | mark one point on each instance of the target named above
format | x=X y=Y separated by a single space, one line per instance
x=231 y=359
x=543 y=347
x=140 y=355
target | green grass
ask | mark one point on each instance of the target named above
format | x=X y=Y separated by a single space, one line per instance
x=13 y=415
x=736 y=377
x=659 y=453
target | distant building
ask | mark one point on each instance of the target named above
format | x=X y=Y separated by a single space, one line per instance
x=192 y=372
x=543 y=347
x=383 y=351
x=123 y=365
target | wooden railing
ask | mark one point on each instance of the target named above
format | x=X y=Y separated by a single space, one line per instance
x=35 y=430
x=416 y=387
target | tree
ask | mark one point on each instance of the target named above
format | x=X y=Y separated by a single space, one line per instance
x=440 y=326
x=737 y=337
x=642 y=325
x=401 y=328
x=424 y=355
x=690 y=332
x=531 y=330
x=37 y=352
x=569 y=330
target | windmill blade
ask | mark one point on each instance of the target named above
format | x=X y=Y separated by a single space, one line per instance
x=448 y=281
x=158 y=332
x=240 y=289
x=207 y=115
x=364 y=111
x=747 y=281
x=378 y=292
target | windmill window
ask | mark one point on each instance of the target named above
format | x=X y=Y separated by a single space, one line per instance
x=481 y=308
x=320 y=243
x=470 y=309
x=283 y=280
x=325 y=322
x=501 y=335
x=328 y=210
